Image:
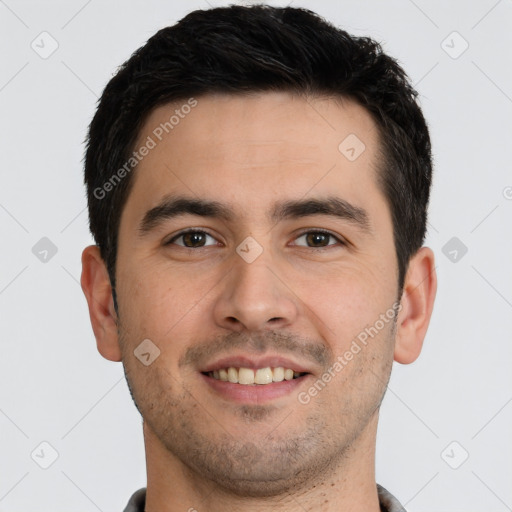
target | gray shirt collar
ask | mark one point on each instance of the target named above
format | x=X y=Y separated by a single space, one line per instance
x=388 y=503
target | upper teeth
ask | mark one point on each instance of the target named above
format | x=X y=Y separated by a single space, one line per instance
x=250 y=376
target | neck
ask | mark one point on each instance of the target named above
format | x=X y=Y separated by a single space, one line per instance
x=347 y=484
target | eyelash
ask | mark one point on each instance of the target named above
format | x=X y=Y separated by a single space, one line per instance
x=316 y=231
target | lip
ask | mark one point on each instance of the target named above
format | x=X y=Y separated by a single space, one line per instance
x=269 y=361
x=253 y=393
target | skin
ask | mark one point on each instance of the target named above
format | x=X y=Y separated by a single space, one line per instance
x=205 y=451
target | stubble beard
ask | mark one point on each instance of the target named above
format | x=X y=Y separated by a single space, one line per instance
x=289 y=454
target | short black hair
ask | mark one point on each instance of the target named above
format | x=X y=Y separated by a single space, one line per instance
x=258 y=48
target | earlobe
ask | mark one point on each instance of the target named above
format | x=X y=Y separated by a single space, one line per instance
x=98 y=292
x=417 y=301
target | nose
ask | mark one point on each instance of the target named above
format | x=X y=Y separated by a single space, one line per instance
x=255 y=297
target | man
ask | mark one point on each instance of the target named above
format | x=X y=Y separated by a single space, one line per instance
x=258 y=184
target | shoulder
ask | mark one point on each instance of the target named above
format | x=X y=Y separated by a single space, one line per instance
x=137 y=501
x=388 y=503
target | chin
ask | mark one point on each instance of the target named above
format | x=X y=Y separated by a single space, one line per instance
x=245 y=470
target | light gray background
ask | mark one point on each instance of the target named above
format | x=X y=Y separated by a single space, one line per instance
x=55 y=387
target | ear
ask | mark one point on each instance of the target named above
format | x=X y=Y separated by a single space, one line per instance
x=417 y=302
x=98 y=292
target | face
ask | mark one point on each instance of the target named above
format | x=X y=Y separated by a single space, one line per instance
x=255 y=237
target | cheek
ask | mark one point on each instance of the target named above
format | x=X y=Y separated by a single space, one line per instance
x=150 y=297
x=163 y=307
x=345 y=302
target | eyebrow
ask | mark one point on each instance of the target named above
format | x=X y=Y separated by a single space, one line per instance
x=174 y=206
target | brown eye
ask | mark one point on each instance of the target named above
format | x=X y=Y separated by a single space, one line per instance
x=318 y=239
x=191 y=239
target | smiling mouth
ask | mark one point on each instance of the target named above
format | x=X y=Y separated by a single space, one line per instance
x=249 y=376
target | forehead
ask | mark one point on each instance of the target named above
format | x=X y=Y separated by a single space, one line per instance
x=293 y=126
x=248 y=150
